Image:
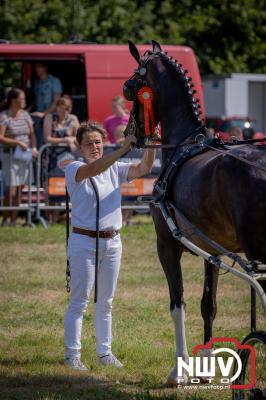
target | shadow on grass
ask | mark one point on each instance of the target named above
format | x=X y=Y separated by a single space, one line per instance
x=80 y=386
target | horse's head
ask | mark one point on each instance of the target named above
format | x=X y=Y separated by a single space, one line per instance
x=159 y=88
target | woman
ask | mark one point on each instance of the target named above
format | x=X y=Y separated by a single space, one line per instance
x=16 y=129
x=61 y=126
x=108 y=175
x=115 y=124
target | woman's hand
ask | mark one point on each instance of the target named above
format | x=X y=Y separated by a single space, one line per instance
x=23 y=145
x=129 y=142
x=35 y=152
x=71 y=142
x=38 y=114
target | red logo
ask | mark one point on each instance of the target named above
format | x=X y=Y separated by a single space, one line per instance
x=238 y=361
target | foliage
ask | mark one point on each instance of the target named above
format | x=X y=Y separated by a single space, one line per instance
x=227 y=36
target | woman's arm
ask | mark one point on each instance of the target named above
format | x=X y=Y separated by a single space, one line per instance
x=33 y=141
x=74 y=125
x=47 y=130
x=9 y=141
x=144 y=167
x=100 y=165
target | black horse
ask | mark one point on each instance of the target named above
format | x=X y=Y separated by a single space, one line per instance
x=217 y=191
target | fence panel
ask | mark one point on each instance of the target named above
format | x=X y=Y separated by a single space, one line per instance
x=26 y=199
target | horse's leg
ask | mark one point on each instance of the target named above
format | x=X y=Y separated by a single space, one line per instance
x=170 y=252
x=253 y=245
x=208 y=302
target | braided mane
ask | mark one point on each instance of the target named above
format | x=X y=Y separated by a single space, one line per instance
x=185 y=80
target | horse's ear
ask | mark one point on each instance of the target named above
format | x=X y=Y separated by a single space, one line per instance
x=156 y=46
x=134 y=51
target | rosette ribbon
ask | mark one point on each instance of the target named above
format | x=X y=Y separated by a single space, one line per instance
x=145 y=97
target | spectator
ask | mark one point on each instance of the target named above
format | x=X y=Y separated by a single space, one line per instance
x=16 y=129
x=115 y=124
x=47 y=90
x=61 y=126
x=235 y=132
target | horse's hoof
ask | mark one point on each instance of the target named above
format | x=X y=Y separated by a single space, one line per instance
x=174 y=381
x=171 y=382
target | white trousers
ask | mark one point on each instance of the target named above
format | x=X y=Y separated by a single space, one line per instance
x=81 y=254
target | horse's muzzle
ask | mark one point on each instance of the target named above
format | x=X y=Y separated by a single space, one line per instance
x=129 y=90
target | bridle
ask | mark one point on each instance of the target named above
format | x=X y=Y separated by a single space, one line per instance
x=136 y=126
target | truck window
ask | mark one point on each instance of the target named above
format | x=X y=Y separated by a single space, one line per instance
x=73 y=78
x=21 y=74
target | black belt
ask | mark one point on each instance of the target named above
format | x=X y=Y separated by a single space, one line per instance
x=102 y=234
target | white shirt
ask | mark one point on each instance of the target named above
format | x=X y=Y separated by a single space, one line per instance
x=83 y=199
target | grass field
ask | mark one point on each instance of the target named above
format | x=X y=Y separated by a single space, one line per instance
x=33 y=300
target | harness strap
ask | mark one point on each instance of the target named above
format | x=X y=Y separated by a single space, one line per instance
x=196 y=231
x=93 y=183
x=239 y=158
x=176 y=161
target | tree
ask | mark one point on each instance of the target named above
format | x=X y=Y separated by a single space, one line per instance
x=227 y=36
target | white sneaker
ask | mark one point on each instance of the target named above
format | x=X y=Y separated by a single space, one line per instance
x=110 y=359
x=75 y=363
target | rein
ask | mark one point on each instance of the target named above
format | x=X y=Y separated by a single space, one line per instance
x=239 y=158
x=171 y=146
x=234 y=143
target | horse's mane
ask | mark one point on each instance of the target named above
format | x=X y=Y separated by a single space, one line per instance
x=181 y=75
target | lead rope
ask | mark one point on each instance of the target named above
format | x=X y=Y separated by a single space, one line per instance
x=67 y=236
x=97 y=238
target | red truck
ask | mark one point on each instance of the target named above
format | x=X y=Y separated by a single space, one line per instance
x=92 y=74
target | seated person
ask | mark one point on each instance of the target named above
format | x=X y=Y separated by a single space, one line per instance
x=235 y=133
x=61 y=126
x=119 y=119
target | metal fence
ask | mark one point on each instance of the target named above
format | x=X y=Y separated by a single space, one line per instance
x=25 y=192
x=45 y=193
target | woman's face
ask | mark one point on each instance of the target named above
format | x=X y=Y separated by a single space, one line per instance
x=91 y=146
x=20 y=101
x=61 y=111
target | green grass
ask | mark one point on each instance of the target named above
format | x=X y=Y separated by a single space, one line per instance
x=33 y=300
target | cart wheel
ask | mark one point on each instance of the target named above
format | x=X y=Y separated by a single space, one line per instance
x=258 y=341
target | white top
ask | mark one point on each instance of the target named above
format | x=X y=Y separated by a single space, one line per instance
x=83 y=199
